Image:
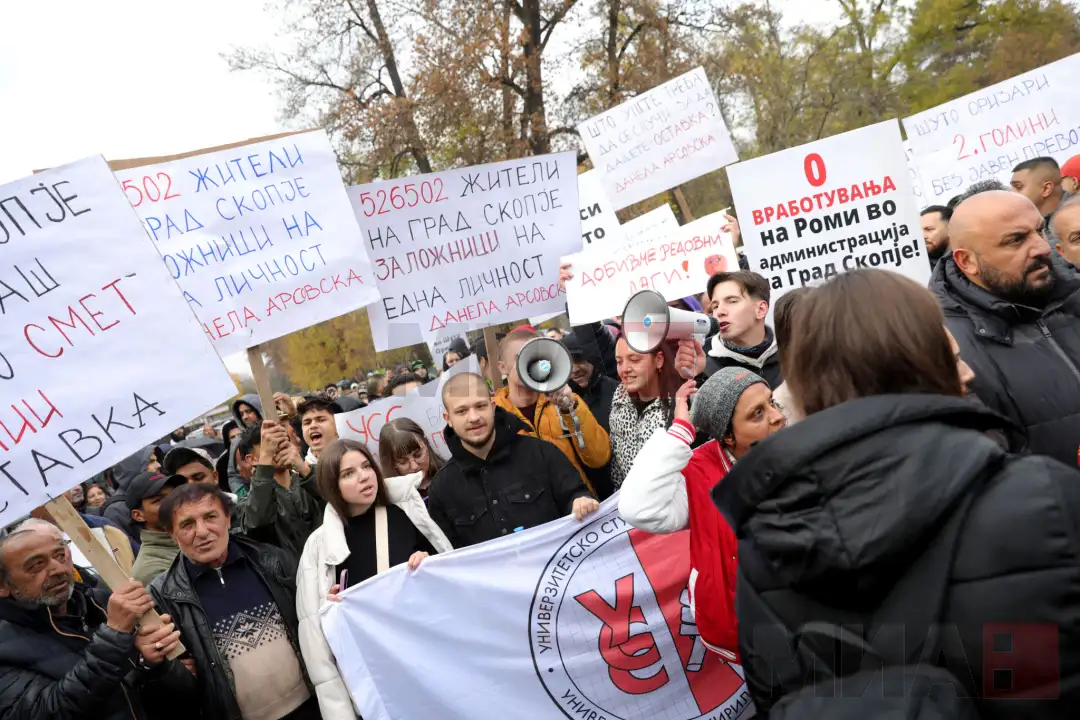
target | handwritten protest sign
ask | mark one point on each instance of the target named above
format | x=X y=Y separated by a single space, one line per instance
x=101 y=354
x=423 y=406
x=914 y=175
x=678 y=265
x=987 y=133
x=837 y=204
x=261 y=238
x=476 y=245
x=599 y=224
x=659 y=139
x=652 y=225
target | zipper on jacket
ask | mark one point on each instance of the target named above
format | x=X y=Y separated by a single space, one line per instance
x=1057 y=348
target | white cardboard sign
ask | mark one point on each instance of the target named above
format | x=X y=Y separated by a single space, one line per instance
x=659 y=139
x=985 y=134
x=679 y=265
x=599 y=224
x=101 y=354
x=479 y=245
x=828 y=206
x=261 y=238
x=653 y=225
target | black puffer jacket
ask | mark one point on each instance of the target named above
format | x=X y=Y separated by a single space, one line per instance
x=74 y=667
x=174 y=595
x=524 y=482
x=832 y=511
x=115 y=507
x=1026 y=361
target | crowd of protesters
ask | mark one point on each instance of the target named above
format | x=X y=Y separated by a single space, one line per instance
x=885 y=469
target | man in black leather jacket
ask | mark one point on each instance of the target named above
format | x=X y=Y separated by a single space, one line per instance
x=68 y=647
x=234 y=601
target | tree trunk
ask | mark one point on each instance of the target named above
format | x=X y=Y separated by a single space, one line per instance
x=612 y=51
x=539 y=141
x=507 y=123
x=412 y=133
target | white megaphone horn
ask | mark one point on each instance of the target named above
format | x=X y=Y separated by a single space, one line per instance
x=544 y=365
x=648 y=322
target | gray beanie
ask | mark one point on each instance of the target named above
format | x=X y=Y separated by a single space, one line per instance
x=715 y=401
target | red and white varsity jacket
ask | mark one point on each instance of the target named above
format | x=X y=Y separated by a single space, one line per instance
x=667 y=490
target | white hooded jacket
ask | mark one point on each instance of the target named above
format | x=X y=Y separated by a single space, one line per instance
x=324 y=551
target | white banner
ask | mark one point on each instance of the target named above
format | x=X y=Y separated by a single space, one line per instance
x=987 y=133
x=828 y=206
x=261 y=238
x=914 y=175
x=100 y=355
x=659 y=139
x=610 y=633
x=476 y=245
x=653 y=225
x=599 y=224
x=423 y=406
x=676 y=266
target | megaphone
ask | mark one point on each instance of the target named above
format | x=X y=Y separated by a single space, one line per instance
x=544 y=365
x=648 y=322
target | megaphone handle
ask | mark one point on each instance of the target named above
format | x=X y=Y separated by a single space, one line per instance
x=688 y=373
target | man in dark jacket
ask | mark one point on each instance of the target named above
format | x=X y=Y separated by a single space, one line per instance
x=597 y=390
x=234 y=601
x=740 y=303
x=282 y=506
x=1016 y=315
x=247 y=412
x=115 y=509
x=67 y=645
x=497 y=481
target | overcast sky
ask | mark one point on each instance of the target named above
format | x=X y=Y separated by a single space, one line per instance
x=132 y=78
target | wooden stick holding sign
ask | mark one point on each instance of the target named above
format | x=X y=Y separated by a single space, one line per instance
x=684 y=207
x=491 y=343
x=262 y=382
x=68 y=519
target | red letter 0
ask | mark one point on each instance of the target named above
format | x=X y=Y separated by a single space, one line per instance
x=814 y=167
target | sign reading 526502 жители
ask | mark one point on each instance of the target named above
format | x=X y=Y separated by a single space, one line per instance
x=100 y=354
x=836 y=204
x=479 y=245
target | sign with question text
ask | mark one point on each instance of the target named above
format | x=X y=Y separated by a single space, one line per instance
x=474 y=245
x=261 y=238
x=599 y=224
x=659 y=139
x=101 y=354
x=676 y=266
x=835 y=204
x=985 y=134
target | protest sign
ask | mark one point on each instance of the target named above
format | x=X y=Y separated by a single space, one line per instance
x=102 y=355
x=985 y=134
x=610 y=631
x=261 y=238
x=914 y=175
x=659 y=139
x=440 y=344
x=423 y=406
x=676 y=266
x=599 y=224
x=652 y=225
x=836 y=204
x=476 y=245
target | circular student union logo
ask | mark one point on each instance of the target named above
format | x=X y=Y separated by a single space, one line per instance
x=613 y=637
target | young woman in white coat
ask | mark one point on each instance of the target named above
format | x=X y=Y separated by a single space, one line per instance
x=370 y=524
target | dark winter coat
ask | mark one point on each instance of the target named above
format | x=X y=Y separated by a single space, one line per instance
x=1026 y=361
x=115 y=508
x=597 y=394
x=74 y=667
x=830 y=512
x=524 y=482
x=174 y=595
x=718 y=355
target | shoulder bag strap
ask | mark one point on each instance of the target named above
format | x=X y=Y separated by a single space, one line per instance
x=382 y=540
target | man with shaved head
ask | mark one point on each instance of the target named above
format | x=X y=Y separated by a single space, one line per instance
x=1015 y=313
x=499 y=479
x=1039 y=180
